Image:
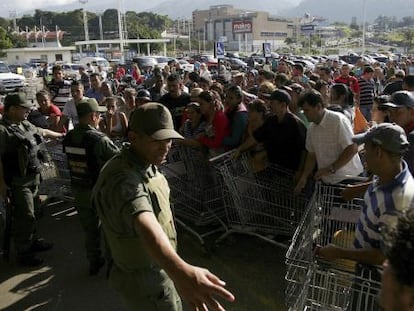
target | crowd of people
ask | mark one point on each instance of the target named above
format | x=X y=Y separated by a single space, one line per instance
x=300 y=119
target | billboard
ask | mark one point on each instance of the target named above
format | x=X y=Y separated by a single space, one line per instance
x=242 y=27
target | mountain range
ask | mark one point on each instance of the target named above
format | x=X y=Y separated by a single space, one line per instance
x=344 y=11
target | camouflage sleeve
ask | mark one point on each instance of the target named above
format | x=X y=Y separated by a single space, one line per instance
x=105 y=149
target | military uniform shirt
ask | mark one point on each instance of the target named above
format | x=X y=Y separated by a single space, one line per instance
x=120 y=194
x=9 y=143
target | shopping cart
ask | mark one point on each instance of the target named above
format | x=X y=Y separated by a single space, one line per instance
x=196 y=192
x=58 y=187
x=260 y=204
x=339 y=285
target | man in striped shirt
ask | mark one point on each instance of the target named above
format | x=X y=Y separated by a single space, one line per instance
x=390 y=193
x=59 y=88
x=366 y=93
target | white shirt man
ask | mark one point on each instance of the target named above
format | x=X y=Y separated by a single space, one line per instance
x=329 y=143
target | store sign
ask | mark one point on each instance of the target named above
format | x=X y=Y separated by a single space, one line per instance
x=242 y=27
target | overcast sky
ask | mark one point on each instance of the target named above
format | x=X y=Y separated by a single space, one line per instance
x=7 y=7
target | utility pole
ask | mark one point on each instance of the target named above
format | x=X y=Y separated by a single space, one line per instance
x=364 y=13
x=85 y=21
x=100 y=13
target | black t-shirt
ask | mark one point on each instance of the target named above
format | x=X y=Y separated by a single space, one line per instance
x=176 y=106
x=284 y=142
x=393 y=87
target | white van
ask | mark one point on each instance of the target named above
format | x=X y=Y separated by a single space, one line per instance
x=95 y=62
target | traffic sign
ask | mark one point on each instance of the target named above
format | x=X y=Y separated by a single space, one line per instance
x=267 y=51
x=307 y=27
x=219 y=49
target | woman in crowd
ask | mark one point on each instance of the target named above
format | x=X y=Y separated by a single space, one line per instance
x=257 y=114
x=236 y=113
x=379 y=114
x=323 y=87
x=195 y=124
x=136 y=74
x=342 y=100
x=265 y=89
x=114 y=123
x=217 y=125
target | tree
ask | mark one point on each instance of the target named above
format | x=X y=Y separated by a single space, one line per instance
x=5 y=42
x=289 y=41
x=408 y=37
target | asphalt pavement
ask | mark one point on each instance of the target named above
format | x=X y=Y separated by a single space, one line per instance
x=253 y=270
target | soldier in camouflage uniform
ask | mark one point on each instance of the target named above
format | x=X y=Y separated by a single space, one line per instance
x=21 y=160
x=87 y=150
x=132 y=200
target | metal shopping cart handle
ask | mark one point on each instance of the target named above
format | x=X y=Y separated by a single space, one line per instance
x=357 y=178
x=221 y=156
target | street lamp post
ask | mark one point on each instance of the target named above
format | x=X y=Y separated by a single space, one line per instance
x=100 y=13
x=85 y=21
x=364 y=13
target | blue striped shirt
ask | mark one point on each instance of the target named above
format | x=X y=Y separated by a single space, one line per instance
x=382 y=203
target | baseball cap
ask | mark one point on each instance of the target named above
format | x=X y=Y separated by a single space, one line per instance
x=144 y=94
x=389 y=136
x=88 y=105
x=154 y=120
x=17 y=99
x=401 y=99
x=281 y=96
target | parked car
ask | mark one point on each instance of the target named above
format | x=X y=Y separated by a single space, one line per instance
x=10 y=82
x=185 y=65
x=26 y=70
x=162 y=61
x=145 y=63
x=71 y=71
x=236 y=64
x=209 y=60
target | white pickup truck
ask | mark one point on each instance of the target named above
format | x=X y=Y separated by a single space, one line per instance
x=9 y=82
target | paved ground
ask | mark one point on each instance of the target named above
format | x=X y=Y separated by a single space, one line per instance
x=254 y=271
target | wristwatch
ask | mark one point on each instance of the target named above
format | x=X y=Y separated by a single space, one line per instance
x=332 y=169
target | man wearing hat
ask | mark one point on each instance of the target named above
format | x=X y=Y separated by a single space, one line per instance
x=21 y=161
x=401 y=112
x=87 y=150
x=389 y=194
x=132 y=200
x=283 y=134
x=143 y=96
x=396 y=84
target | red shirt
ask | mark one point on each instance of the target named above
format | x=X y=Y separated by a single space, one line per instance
x=220 y=128
x=53 y=110
x=351 y=81
x=120 y=73
x=138 y=78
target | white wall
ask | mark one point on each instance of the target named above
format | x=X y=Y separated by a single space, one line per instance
x=20 y=56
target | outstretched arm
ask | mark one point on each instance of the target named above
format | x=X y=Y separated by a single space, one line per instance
x=197 y=286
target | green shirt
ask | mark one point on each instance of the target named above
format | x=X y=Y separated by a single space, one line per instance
x=9 y=149
x=125 y=188
x=103 y=150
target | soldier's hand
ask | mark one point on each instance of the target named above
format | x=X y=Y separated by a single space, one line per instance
x=199 y=288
